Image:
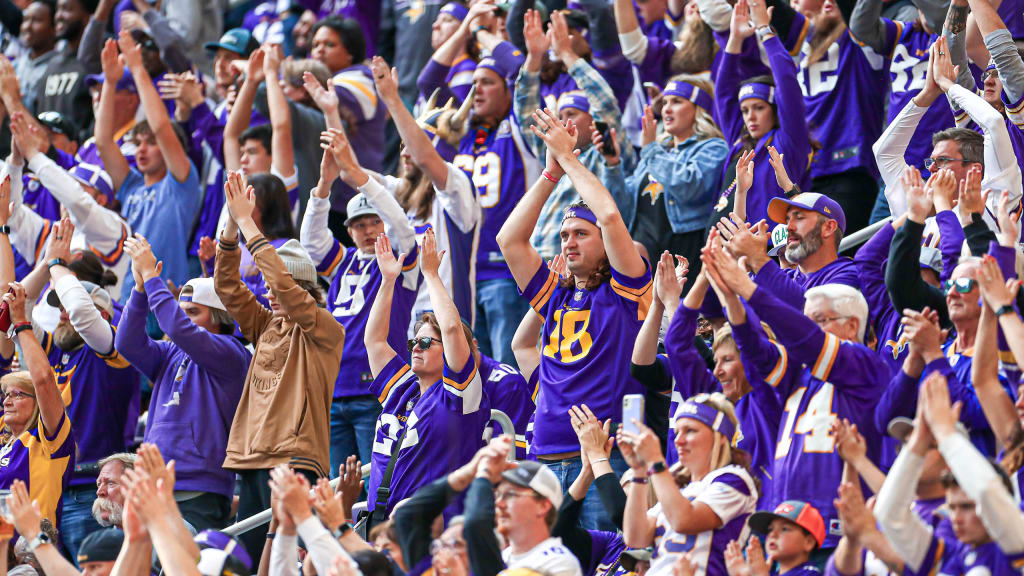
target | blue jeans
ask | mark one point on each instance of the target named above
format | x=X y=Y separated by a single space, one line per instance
x=499 y=310
x=353 y=421
x=76 y=519
x=594 y=516
x=881 y=209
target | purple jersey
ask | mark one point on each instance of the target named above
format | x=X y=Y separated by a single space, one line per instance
x=356 y=280
x=605 y=550
x=366 y=12
x=585 y=355
x=442 y=427
x=906 y=48
x=819 y=379
x=460 y=78
x=950 y=556
x=731 y=494
x=844 y=93
x=500 y=171
x=358 y=95
x=1012 y=14
x=508 y=391
x=102 y=396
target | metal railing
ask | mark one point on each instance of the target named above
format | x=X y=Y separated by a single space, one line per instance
x=261 y=518
x=861 y=236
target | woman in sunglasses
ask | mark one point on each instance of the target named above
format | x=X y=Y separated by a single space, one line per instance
x=434 y=408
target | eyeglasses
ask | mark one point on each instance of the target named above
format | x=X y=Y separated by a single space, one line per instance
x=961 y=285
x=423 y=343
x=505 y=495
x=988 y=74
x=439 y=544
x=938 y=163
x=824 y=321
x=15 y=395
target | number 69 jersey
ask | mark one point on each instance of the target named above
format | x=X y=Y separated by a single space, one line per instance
x=586 y=341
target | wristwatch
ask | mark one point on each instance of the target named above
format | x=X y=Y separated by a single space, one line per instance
x=341 y=530
x=1005 y=309
x=764 y=32
x=38 y=541
x=56 y=262
x=5 y=229
x=656 y=468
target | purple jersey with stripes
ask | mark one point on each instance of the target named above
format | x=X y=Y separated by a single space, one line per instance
x=500 y=170
x=844 y=93
x=950 y=556
x=441 y=428
x=819 y=378
x=508 y=391
x=731 y=494
x=906 y=48
x=354 y=288
x=585 y=353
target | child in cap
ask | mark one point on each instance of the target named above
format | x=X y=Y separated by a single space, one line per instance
x=791 y=533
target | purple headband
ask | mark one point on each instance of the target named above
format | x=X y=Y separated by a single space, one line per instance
x=692 y=93
x=573 y=99
x=581 y=213
x=758 y=90
x=455 y=10
x=709 y=416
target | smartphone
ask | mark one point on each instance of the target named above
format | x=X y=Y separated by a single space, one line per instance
x=632 y=409
x=5 y=314
x=607 y=146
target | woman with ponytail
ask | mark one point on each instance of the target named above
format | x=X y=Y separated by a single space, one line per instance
x=700 y=518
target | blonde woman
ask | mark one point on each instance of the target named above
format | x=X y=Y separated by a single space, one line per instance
x=667 y=199
x=700 y=519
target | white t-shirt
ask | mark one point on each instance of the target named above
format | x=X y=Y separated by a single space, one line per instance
x=549 y=558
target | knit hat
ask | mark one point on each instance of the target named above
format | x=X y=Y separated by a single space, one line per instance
x=297 y=261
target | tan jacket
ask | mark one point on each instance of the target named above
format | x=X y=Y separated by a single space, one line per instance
x=284 y=413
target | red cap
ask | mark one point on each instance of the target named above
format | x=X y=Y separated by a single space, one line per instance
x=796 y=511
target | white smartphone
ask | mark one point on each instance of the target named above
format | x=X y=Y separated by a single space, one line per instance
x=632 y=409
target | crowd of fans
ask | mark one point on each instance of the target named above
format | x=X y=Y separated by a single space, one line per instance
x=592 y=288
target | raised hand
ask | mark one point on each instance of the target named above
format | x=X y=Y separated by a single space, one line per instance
x=335 y=141
x=326 y=100
x=745 y=172
x=390 y=267
x=385 y=78
x=648 y=127
x=10 y=90
x=1009 y=224
x=732 y=272
x=293 y=491
x=351 y=484
x=779 y=166
x=327 y=504
x=113 y=67
x=942 y=64
x=922 y=331
x=559 y=31
x=940 y=414
x=16 y=302
x=430 y=258
x=760 y=13
x=755 y=556
x=131 y=52
x=995 y=291
x=24 y=511
x=559 y=140
x=254 y=66
x=597 y=141
x=645 y=444
x=943 y=186
x=849 y=442
x=857 y=519
x=558 y=266
x=207 y=249
x=594 y=437
x=241 y=199
x=143 y=260
x=28 y=136
x=272 y=57
x=919 y=199
x=740 y=26
x=5 y=199
x=667 y=284
x=494 y=459
x=537 y=42
x=735 y=564
x=60 y=241
x=972 y=199
x=152 y=462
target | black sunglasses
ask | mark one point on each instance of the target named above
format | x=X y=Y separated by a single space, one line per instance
x=423 y=343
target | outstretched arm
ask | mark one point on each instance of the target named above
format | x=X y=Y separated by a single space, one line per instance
x=514 y=236
x=110 y=153
x=282 y=151
x=48 y=397
x=456 y=348
x=378 y=322
x=241 y=111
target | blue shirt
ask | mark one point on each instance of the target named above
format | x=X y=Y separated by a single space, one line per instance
x=163 y=213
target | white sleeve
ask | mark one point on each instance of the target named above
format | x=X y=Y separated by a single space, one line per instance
x=323 y=546
x=63 y=187
x=396 y=223
x=284 y=555
x=84 y=316
x=459 y=200
x=314 y=235
x=29 y=230
x=634 y=45
x=889 y=154
x=717 y=14
x=909 y=535
x=725 y=501
x=999 y=513
x=16 y=184
x=1002 y=172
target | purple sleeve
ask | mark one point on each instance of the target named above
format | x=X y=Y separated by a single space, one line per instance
x=870 y=262
x=854 y=368
x=65 y=160
x=431 y=78
x=348 y=100
x=688 y=369
x=780 y=283
x=217 y=354
x=656 y=66
x=898 y=399
x=205 y=127
x=1006 y=258
x=131 y=340
x=761 y=357
x=971 y=413
x=951 y=240
x=727 y=89
x=793 y=136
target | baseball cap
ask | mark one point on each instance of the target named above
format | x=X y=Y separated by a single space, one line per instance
x=807 y=201
x=203 y=293
x=538 y=478
x=101 y=546
x=221 y=555
x=100 y=297
x=125 y=83
x=94 y=176
x=358 y=206
x=779 y=236
x=796 y=511
x=931 y=257
x=56 y=122
x=237 y=40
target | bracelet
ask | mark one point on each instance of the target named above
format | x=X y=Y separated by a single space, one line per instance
x=639 y=480
x=270 y=535
x=56 y=262
x=547 y=176
x=22 y=326
x=598 y=460
x=476 y=30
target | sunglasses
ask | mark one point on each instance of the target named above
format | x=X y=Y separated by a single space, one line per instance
x=423 y=343
x=961 y=285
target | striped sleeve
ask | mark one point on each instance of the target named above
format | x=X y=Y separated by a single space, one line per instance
x=395 y=377
x=538 y=292
x=637 y=290
x=463 y=388
x=356 y=92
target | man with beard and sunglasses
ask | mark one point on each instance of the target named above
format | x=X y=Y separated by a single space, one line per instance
x=100 y=389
